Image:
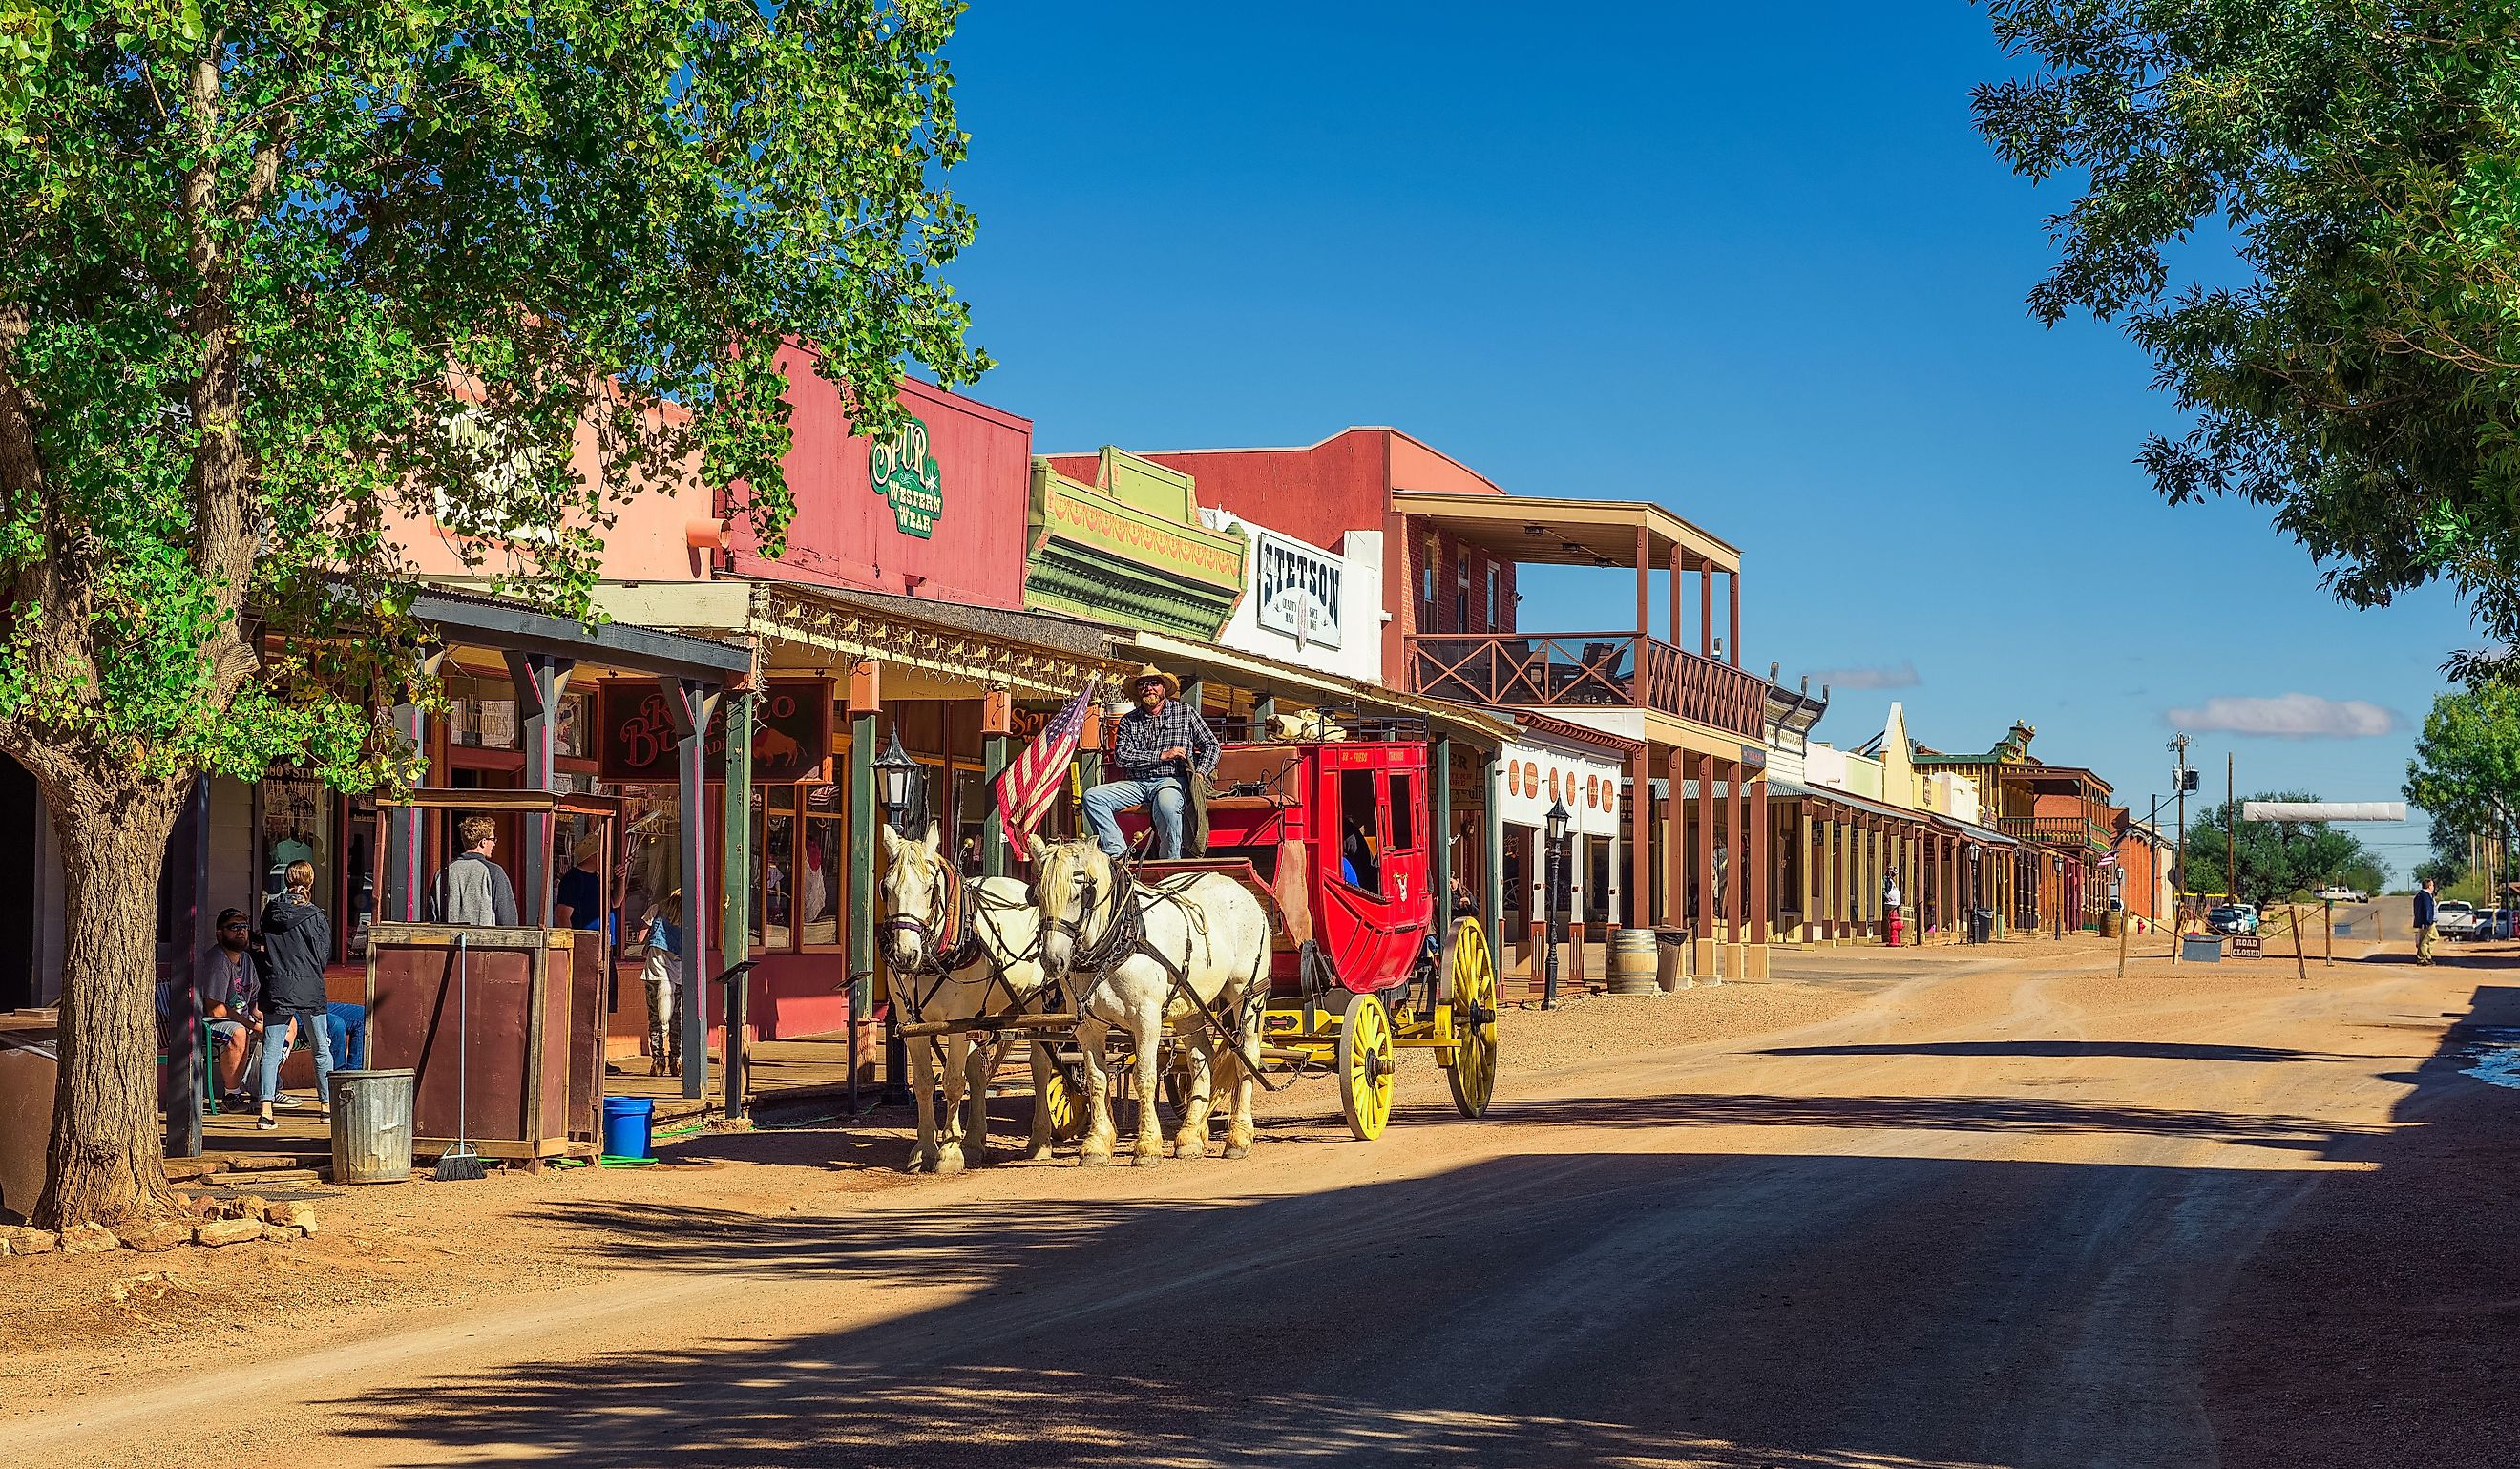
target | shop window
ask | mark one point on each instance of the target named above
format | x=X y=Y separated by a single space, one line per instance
x=1496 y=619
x=651 y=854
x=775 y=867
x=1460 y=595
x=1428 y=555
x=1360 y=832
x=1403 y=812
x=819 y=887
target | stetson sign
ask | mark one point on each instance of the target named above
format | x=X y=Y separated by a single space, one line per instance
x=905 y=473
x=1299 y=590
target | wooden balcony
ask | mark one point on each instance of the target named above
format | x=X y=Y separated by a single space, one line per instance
x=2061 y=830
x=1587 y=670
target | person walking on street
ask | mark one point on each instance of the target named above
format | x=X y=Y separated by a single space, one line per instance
x=297 y=943
x=663 y=937
x=1161 y=745
x=2427 y=914
x=474 y=890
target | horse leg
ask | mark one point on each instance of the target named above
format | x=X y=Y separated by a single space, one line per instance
x=1246 y=1064
x=949 y=1157
x=1092 y=1037
x=978 y=1068
x=1191 y=1141
x=1148 y=1027
x=923 y=1081
x=1044 y=1067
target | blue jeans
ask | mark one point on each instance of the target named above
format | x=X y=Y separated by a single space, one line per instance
x=310 y=1034
x=345 y=1026
x=1162 y=795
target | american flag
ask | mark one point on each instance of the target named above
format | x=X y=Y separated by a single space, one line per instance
x=1032 y=780
x=2108 y=858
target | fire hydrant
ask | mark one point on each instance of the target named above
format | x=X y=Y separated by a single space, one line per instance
x=1895 y=927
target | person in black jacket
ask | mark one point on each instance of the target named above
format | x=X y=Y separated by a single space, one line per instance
x=297 y=942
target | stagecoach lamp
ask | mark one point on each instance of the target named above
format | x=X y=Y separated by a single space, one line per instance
x=1556 y=822
x=896 y=781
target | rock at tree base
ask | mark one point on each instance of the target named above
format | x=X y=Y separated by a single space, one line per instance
x=299 y=1217
x=155 y=1236
x=227 y=1231
x=26 y=1240
x=88 y=1239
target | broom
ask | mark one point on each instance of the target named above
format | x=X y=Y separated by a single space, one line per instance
x=462 y=1163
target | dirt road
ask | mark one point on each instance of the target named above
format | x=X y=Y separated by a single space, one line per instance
x=1991 y=1215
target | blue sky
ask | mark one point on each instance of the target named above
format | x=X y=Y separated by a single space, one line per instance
x=1768 y=277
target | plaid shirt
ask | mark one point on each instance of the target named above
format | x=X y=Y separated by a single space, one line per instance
x=1143 y=737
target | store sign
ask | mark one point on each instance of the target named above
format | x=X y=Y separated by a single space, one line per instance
x=1300 y=591
x=792 y=733
x=902 y=471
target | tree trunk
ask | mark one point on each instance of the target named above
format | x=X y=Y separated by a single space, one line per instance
x=108 y=1156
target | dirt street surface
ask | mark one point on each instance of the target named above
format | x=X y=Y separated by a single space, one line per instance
x=1944 y=1208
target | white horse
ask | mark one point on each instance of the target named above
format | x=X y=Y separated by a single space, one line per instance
x=1135 y=951
x=916 y=931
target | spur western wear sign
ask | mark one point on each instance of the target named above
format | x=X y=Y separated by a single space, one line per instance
x=905 y=473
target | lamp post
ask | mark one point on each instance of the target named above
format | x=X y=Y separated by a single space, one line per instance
x=1557 y=834
x=898 y=784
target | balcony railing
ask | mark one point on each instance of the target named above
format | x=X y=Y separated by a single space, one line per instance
x=2065 y=830
x=1587 y=670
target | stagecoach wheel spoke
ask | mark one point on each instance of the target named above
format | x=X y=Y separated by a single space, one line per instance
x=1471 y=984
x=1365 y=1066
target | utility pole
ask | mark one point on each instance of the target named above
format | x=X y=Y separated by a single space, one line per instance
x=2179 y=890
x=2230 y=837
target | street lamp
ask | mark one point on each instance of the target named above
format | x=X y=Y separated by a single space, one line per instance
x=1557 y=834
x=898 y=784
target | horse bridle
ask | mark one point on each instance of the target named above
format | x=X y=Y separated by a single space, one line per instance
x=945 y=915
x=1106 y=950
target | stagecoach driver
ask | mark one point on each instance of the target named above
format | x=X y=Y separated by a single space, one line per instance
x=1159 y=745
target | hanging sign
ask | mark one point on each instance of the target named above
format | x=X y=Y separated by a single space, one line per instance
x=902 y=471
x=1539 y=776
x=792 y=733
x=1299 y=590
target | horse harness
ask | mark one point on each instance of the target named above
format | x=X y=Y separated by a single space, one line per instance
x=1124 y=938
x=952 y=936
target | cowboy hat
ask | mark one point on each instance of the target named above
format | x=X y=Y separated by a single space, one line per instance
x=1172 y=686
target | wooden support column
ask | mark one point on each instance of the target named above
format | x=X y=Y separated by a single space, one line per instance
x=1710 y=932
x=1492 y=878
x=1645 y=596
x=404 y=901
x=1641 y=815
x=866 y=700
x=1706 y=608
x=1761 y=833
x=691 y=706
x=1741 y=881
x=1676 y=583
x=1733 y=583
x=538 y=680
x=736 y=929
x=1676 y=861
x=1577 y=857
x=1535 y=910
x=997 y=726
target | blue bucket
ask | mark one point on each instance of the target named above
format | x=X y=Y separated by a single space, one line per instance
x=625 y=1126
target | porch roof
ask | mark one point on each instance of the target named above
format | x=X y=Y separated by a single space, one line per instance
x=468 y=618
x=1267 y=675
x=1534 y=530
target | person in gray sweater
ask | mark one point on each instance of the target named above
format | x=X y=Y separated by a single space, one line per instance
x=474 y=890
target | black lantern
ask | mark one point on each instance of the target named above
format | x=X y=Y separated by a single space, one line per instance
x=900 y=785
x=1557 y=814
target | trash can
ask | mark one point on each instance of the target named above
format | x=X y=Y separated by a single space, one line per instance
x=626 y=1122
x=1671 y=960
x=1982 y=925
x=372 y=1125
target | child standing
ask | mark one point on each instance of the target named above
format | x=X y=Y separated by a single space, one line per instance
x=663 y=938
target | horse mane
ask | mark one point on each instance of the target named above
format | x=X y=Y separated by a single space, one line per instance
x=1059 y=879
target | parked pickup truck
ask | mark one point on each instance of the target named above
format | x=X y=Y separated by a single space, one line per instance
x=2455 y=919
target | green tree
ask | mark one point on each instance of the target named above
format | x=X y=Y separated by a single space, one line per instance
x=2276 y=859
x=2466 y=769
x=270 y=268
x=2360 y=158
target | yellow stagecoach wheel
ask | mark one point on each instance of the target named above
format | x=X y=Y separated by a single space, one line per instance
x=1470 y=984
x=1064 y=1097
x=1365 y=1066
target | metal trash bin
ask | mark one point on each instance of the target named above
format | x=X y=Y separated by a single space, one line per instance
x=1982 y=925
x=372 y=1125
x=1671 y=960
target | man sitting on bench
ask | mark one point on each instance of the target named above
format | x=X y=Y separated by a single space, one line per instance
x=1159 y=745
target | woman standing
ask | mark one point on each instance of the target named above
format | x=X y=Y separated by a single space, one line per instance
x=663 y=973
x=297 y=942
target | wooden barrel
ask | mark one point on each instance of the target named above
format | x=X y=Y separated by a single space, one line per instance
x=1632 y=962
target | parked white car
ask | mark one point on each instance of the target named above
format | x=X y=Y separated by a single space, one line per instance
x=2455 y=919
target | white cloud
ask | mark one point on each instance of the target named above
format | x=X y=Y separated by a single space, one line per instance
x=1902 y=676
x=2290 y=716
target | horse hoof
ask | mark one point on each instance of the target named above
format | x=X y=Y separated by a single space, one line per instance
x=1093 y=1160
x=1148 y=1160
x=949 y=1164
x=1235 y=1153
